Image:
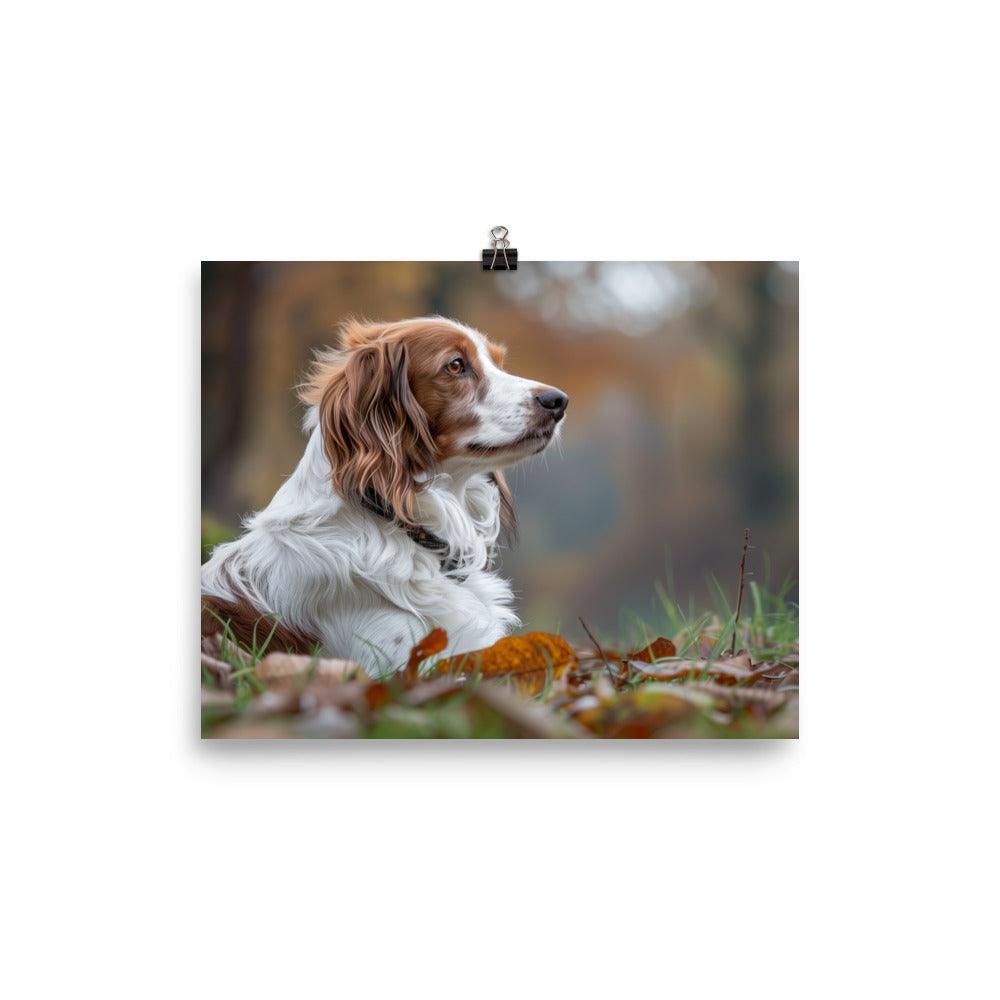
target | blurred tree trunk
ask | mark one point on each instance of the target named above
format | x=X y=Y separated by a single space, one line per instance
x=746 y=317
x=758 y=456
x=229 y=298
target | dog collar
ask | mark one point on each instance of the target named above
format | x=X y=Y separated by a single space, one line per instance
x=424 y=537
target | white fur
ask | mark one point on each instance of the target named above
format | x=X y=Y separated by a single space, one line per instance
x=502 y=414
x=358 y=582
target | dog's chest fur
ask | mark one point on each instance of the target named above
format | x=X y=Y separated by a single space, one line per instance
x=356 y=584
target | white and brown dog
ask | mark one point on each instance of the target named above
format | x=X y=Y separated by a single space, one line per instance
x=389 y=524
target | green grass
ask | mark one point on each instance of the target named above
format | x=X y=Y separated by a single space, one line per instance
x=767 y=628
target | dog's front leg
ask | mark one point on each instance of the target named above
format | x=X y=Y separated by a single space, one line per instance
x=380 y=639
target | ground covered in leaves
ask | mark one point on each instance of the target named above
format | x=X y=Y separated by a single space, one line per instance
x=713 y=677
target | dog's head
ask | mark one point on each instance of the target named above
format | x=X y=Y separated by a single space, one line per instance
x=401 y=401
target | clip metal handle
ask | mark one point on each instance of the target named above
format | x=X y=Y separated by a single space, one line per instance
x=500 y=245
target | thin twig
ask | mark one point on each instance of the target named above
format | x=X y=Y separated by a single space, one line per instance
x=739 y=595
x=597 y=645
x=613 y=674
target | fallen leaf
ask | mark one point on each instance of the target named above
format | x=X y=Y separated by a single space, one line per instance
x=578 y=680
x=219 y=670
x=790 y=680
x=658 y=649
x=215 y=645
x=766 y=698
x=682 y=668
x=526 y=659
x=639 y=714
x=726 y=669
x=434 y=642
x=281 y=666
x=377 y=695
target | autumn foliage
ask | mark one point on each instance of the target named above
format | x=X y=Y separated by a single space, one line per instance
x=534 y=685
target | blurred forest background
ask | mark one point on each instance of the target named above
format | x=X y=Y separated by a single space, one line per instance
x=682 y=427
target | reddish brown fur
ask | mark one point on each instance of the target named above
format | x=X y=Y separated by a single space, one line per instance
x=250 y=627
x=390 y=412
x=508 y=515
x=498 y=353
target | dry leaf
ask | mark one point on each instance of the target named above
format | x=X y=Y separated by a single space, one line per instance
x=671 y=672
x=281 y=666
x=578 y=680
x=790 y=680
x=218 y=669
x=526 y=659
x=764 y=698
x=213 y=646
x=658 y=649
x=638 y=714
x=377 y=695
x=726 y=669
x=433 y=643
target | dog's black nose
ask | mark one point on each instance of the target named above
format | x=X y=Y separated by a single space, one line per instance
x=554 y=401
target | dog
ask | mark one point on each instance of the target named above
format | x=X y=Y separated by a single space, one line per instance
x=389 y=525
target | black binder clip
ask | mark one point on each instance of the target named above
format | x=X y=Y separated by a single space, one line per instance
x=502 y=257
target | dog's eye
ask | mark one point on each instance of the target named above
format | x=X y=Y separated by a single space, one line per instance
x=455 y=367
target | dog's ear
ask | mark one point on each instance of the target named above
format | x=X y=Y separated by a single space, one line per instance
x=375 y=433
x=356 y=332
x=508 y=515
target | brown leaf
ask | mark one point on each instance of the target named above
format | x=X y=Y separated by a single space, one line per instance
x=791 y=679
x=213 y=646
x=774 y=670
x=741 y=661
x=658 y=649
x=639 y=714
x=732 y=669
x=218 y=669
x=434 y=642
x=726 y=669
x=671 y=672
x=377 y=695
x=578 y=680
x=767 y=699
x=281 y=666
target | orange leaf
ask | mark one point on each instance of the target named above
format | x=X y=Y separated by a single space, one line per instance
x=434 y=642
x=377 y=695
x=524 y=658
